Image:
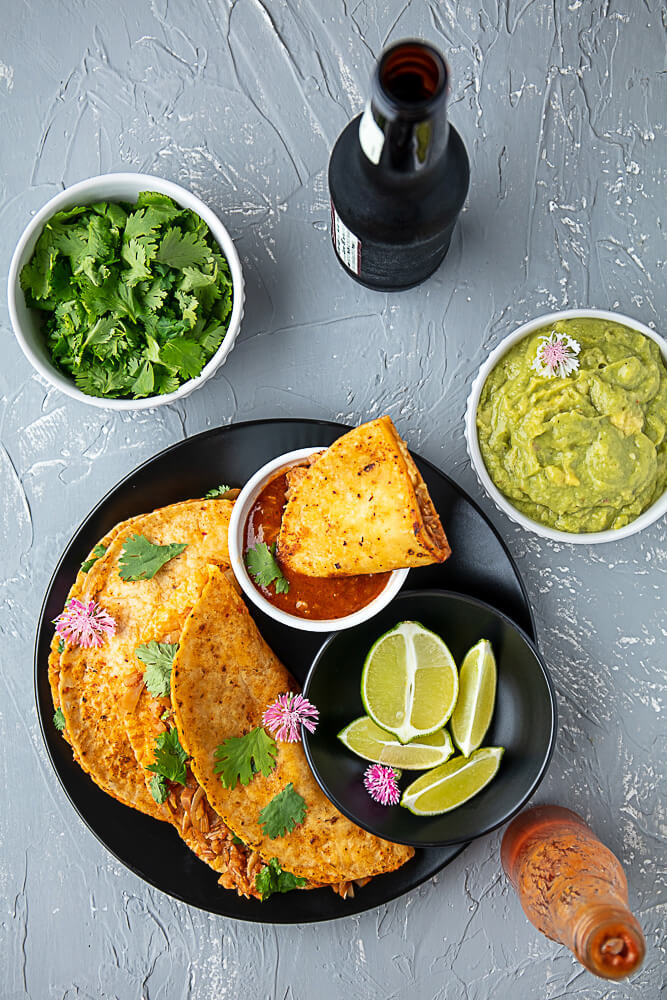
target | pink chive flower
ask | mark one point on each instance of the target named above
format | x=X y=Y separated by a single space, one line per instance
x=556 y=356
x=287 y=714
x=84 y=624
x=382 y=784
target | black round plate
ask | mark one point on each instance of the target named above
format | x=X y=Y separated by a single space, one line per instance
x=480 y=566
x=524 y=720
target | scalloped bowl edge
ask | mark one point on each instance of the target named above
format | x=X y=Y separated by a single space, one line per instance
x=112 y=187
x=649 y=516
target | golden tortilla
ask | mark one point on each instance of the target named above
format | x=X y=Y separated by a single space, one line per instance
x=361 y=507
x=224 y=676
x=95 y=685
x=146 y=717
x=75 y=591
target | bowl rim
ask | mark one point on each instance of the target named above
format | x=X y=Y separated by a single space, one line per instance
x=647 y=517
x=80 y=192
x=245 y=499
x=544 y=766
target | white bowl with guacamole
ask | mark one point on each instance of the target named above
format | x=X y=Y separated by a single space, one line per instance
x=566 y=426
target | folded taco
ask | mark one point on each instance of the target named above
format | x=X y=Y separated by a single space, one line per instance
x=115 y=712
x=361 y=507
x=224 y=677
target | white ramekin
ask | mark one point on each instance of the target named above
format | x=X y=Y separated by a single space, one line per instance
x=242 y=506
x=653 y=513
x=27 y=323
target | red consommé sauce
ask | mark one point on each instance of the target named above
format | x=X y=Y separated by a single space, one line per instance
x=308 y=596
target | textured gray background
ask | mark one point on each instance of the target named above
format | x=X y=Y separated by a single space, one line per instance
x=560 y=105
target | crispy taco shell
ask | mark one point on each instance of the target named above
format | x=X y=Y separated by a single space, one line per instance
x=146 y=717
x=361 y=507
x=75 y=591
x=95 y=686
x=224 y=676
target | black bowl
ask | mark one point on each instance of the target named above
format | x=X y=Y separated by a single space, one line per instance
x=524 y=721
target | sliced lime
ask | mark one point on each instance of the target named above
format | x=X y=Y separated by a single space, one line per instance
x=409 y=683
x=364 y=738
x=450 y=785
x=472 y=714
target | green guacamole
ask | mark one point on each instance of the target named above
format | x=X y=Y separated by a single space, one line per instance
x=587 y=451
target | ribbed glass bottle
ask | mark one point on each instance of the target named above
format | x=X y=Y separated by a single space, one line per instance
x=573 y=889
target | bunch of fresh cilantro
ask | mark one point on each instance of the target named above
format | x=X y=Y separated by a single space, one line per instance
x=138 y=297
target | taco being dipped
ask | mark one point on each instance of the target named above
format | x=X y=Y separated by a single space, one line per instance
x=361 y=506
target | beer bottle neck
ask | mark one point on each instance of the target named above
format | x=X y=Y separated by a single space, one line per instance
x=404 y=129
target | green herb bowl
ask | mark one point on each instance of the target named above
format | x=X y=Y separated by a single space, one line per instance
x=27 y=323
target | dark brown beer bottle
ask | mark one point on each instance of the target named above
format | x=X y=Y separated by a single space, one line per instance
x=398 y=174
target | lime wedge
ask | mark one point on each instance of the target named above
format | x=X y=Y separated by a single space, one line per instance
x=409 y=683
x=450 y=785
x=477 y=697
x=367 y=740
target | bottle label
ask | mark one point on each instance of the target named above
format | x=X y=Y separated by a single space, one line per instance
x=346 y=244
x=371 y=136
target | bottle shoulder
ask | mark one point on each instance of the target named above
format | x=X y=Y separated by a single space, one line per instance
x=367 y=195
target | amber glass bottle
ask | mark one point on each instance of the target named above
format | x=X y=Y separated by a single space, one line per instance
x=573 y=889
x=398 y=174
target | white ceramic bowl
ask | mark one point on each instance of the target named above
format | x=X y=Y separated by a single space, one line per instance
x=244 y=502
x=653 y=513
x=27 y=323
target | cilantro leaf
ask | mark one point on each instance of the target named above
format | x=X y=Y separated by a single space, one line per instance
x=162 y=205
x=134 y=255
x=144 y=383
x=283 y=813
x=37 y=275
x=212 y=337
x=180 y=250
x=61 y=646
x=158 y=787
x=96 y=554
x=237 y=840
x=263 y=566
x=59 y=720
x=142 y=222
x=183 y=355
x=141 y=559
x=217 y=491
x=115 y=213
x=271 y=879
x=240 y=757
x=100 y=381
x=155 y=296
x=170 y=758
x=194 y=279
x=165 y=382
x=158 y=657
x=101 y=332
x=125 y=301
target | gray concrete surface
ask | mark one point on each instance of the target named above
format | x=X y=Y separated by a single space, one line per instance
x=561 y=104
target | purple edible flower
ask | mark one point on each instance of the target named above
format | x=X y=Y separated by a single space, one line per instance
x=84 y=624
x=382 y=785
x=287 y=714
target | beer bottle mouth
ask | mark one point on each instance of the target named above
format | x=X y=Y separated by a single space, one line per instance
x=411 y=78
